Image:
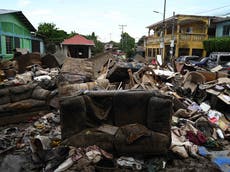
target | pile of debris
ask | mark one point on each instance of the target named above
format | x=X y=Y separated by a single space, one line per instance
x=132 y=116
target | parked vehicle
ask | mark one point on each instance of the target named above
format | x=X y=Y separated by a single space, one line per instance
x=202 y=63
x=188 y=59
x=219 y=58
x=227 y=66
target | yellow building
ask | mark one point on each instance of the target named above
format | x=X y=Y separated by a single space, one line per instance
x=187 y=31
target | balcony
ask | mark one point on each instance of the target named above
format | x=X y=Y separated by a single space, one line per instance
x=156 y=40
x=180 y=37
x=192 y=37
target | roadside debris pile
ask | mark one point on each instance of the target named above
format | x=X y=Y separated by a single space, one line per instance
x=134 y=116
x=27 y=93
x=20 y=100
x=76 y=75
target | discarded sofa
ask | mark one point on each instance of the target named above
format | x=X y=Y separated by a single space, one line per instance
x=121 y=121
x=17 y=103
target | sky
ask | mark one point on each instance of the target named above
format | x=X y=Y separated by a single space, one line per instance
x=104 y=17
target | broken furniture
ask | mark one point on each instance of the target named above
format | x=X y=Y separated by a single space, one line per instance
x=118 y=72
x=142 y=116
x=26 y=60
x=76 y=70
x=18 y=103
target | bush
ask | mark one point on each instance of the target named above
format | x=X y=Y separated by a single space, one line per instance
x=217 y=44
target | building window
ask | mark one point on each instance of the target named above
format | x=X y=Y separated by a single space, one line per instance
x=197 y=52
x=149 y=52
x=9 y=44
x=189 y=29
x=183 y=51
x=159 y=33
x=35 y=46
x=154 y=52
x=16 y=42
x=226 y=30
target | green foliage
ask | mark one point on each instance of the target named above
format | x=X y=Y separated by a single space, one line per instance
x=71 y=34
x=99 y=46
x=51 y=33
x=46 y=28
x=140 y=42
x=217 y=44
x=52 y=36
x=127 y=44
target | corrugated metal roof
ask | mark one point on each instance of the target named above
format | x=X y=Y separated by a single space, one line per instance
x=176 y=16
x=4 y=11
x=21 y=17
x=78 y=40
x=219 y=20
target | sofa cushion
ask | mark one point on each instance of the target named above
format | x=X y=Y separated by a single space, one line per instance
x=130 y=107
x=89 y=137
x=73 y=116
x=137 y=139
x=159 y=115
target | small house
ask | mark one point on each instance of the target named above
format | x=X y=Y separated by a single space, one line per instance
x=78 y=47
x=17 y=32
x=222 y=27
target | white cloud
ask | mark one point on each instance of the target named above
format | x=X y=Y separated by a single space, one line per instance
x=23 y=3
x=41 y=12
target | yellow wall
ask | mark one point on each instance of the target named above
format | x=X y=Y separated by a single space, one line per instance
x=185 y=39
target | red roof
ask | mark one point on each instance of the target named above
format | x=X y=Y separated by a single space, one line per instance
x=77 y=40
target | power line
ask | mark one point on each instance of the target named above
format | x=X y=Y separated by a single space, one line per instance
x=122 y=27
x=214 y=9
x=122 y=31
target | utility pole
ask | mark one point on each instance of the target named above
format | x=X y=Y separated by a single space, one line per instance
x=122 y=31
x=122 y=27
x=172 y=58
x=163 y=33
x=172 y=39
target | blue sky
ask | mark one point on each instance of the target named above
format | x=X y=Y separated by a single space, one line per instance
x=104 y=16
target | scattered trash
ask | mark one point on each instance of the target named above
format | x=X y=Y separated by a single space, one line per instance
x=75 y=110
x=130 y=162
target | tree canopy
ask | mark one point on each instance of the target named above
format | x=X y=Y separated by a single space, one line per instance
x=141 y=41
x=99 y=46
x=52 y=36
x=127 y=44
x=72 y=33
x=51 y=33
